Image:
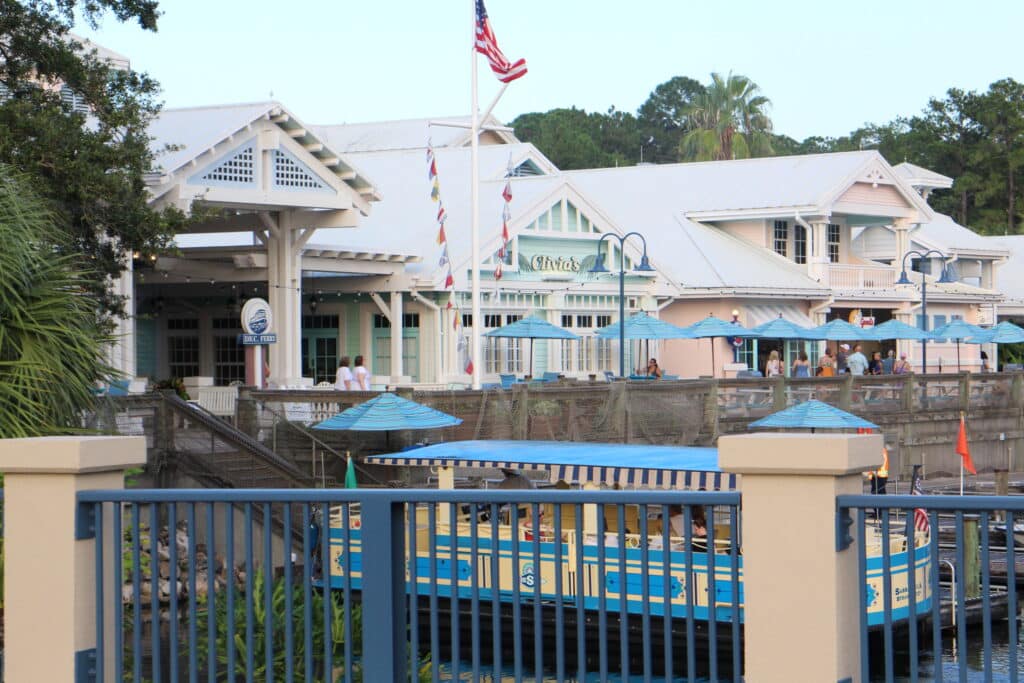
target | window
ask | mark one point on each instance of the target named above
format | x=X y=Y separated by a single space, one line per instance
x=411 y=320
x=319 y=322
x=747 y=353
x=380 y=322
x=832 y=239
x=781 y=241
x=799 y=244
x=228 y=360
x=502 y=354
x=183 y=356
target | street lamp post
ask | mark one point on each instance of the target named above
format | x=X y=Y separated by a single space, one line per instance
x=944 y=278
x=599 y=267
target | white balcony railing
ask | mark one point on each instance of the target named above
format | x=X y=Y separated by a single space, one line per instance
x=851 y=276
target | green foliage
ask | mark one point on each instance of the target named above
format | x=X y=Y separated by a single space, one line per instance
x=727 y=121
x=89 y=172
x=277 y=640
x=51 y=340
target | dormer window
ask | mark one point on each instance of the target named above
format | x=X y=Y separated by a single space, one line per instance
x=799 y=244
x=781 y=238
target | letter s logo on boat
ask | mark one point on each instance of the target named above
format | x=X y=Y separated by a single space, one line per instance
x=527 y=577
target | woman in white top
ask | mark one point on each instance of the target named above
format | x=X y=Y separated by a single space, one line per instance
x=774 y=366
x=361 y=375
x=343 y=380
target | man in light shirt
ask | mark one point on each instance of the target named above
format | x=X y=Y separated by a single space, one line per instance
x=857 y=362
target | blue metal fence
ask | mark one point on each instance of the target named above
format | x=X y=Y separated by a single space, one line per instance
x=950 y=563
x=392 y=585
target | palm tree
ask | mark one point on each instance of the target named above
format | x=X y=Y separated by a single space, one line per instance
x=52 y=342
x=728 y=121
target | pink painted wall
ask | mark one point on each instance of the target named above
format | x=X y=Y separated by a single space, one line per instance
x=692 y=357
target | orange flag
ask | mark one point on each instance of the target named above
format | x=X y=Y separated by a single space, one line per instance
x=962 y=448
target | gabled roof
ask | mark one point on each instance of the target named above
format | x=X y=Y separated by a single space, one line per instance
x=918 y=176
x=181 y=135
x=382 y=136
x=694 y=254
x=406 y=222
x=946 y=235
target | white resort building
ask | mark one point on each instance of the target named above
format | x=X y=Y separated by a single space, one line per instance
x=335 y=226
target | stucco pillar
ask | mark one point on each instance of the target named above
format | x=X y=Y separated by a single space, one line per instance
x=284 y=269
x=801 y=603
x=397 y=321
x=49 y=577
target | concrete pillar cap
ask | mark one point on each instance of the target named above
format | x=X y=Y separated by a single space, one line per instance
x=800 y=454
x=71 y=454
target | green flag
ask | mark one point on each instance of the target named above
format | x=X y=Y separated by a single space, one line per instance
x=350 y=474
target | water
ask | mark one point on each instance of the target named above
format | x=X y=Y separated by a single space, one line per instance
x=950 y=665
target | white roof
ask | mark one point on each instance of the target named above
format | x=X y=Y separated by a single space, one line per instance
x=945 y=234
x=766 y=183
x=1010 y=275
x=180 y=135
x=694 y=254
x=918 y=176
x=382 y=136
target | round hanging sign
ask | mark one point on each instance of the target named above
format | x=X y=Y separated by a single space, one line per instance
x=257 y=317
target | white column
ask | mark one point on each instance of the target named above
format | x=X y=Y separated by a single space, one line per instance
x=817 y=261
x=396 y=337
x=283 y=272
x=121 y=354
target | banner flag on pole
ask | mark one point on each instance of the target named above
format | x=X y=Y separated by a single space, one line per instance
x=920 y=514
x=350 y=473
x=962 y=448
x=487 y=45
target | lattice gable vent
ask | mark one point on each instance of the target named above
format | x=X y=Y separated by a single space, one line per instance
x=292 y=174
x=526 y=169
x=236 y=168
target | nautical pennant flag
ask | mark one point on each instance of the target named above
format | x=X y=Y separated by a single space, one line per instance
x=441 y=238
x=487 y=45
x=920 y=514
x=962 y=448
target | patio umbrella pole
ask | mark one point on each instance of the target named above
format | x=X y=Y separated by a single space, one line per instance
x=958 y=356
x=712 y=340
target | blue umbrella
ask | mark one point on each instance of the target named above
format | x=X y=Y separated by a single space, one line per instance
x=1003 y=333
x=716 y=327
x=897 y=329
x=780 y=328
x=956 y=330
x=644 y=326
x=531 y=327
x=812 y=415
x=388 y=412
x=840 y=330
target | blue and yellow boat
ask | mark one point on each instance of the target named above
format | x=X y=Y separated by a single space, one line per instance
x=602 y=561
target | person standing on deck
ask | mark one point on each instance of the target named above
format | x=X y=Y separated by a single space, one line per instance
x=361 y=375
x=856 y=362
x=343 y=380
x=844 y=349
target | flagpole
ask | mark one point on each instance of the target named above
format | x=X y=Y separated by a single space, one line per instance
x=474 y=347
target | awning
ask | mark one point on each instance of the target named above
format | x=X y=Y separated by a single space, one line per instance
x=758 y=314
x=671 y=467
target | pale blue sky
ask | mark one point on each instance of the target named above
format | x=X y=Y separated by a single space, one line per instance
x=827 y=66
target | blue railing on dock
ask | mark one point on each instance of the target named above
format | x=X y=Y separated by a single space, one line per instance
x=972 y=582
x=393 y=585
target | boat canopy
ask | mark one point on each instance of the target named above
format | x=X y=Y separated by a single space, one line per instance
x=629 y=465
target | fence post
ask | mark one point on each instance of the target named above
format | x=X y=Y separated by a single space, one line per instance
x=385 y=636
x=801 y=602
x=50 y=577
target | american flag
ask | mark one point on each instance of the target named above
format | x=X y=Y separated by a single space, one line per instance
x=920 y=514
x=487 y=45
